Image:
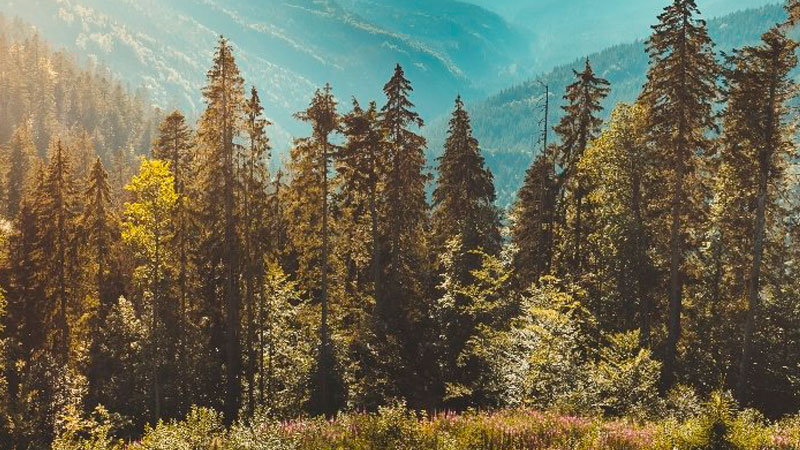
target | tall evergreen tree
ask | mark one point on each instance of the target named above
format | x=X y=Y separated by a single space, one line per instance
x=174 y=143
x=463 y=212
x=324 y=120
x=579 y=125
x=533 y=217
x=218 y=129
x=21 y=155
x=56 y=200
x=680 y=91
x=361 y=166
x=463 y=201
x=254 y=182
x=758 y=137
x=100 y=231
x=406 y=211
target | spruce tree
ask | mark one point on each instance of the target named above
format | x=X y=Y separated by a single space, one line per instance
x=361 y=166
x=100 y=231
x=175 y=144
x=759 y=137
x=254 y=182
x=314 y=156
x=21 y=158
x=56 y=201
x=533 y=218
x=405 y=206
x=463 y=201
x=218 y=130
x=680 y=91
x=465 y=228
x=578 y=126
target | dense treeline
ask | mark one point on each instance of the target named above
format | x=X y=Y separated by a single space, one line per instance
x=646 y=260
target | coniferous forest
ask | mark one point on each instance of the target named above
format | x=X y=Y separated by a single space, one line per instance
x=165 y=286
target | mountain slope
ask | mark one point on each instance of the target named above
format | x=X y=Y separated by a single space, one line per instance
x=287 y=48
x=507 y=124
x=591 y=25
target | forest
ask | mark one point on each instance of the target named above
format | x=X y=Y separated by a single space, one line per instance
x=165 y=286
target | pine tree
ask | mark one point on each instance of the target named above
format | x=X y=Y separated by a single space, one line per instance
x=758 y=136
x=324 y=120
x=57 y=210
x=361 y=167
x=174 y=143
x=99 y=228
x=21 y=155
x=680 y=91
x=463 y=201
x=218 y=129
x=406 y=211
x=533 y=218
x=254 y=181
x=100 y=232
x=579 y=125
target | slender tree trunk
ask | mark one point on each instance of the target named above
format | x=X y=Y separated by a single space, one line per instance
x=231 y=291
x=249 y=257
x=675 y=285
x=154 y=332
x=639 y=267
x=376 y=253
x=754 y=287
x=578 y=225
x=324 y=356
x=62 y=283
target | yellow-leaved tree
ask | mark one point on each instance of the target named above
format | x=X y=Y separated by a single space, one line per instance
x=147 y=228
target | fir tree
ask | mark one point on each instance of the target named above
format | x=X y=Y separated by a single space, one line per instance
x=532 y=221
x=174 y=144
x=21 y=157
x=57 y=210
x=254 y=181
x=218 y=129
x=463 y=201
x=406 y=209
x=757 y=131
x=100 y=232
x=680 y=91
x=361 y=167
x=324 y=120
x=579 y=125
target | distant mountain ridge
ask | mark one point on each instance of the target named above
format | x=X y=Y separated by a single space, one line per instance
x=507 y=124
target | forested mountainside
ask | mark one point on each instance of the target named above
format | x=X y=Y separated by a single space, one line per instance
x=288 y=48
x=509 y=149
x=46 y=93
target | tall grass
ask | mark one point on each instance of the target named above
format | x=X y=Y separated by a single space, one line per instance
x=718 y=426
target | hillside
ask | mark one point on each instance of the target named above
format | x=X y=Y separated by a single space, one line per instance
x=287 y=48
x=509 y=148
x=617 y=22
x=60 y=97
